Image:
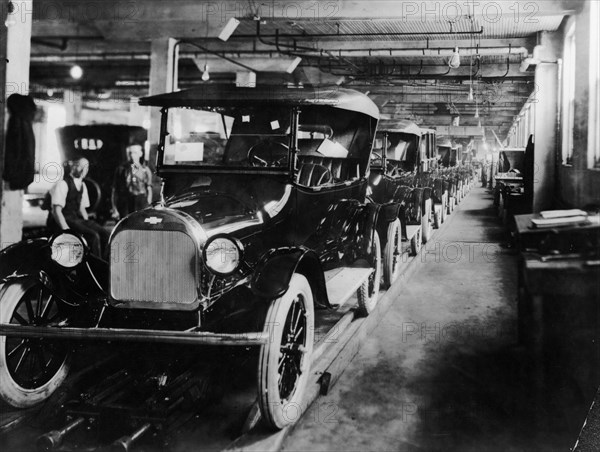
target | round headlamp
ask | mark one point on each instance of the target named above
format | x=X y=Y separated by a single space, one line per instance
x=67 y=249
x=222 y=255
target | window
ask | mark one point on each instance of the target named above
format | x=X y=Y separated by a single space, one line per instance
x=594 y=91
x=568 y=96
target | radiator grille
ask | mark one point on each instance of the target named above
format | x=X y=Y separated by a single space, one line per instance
x=153 y=266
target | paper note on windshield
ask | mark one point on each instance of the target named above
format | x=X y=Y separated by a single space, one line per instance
x=189 y=152
x=275 y=125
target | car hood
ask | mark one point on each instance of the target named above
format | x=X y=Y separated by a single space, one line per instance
x=202 y=214
x=216 y=212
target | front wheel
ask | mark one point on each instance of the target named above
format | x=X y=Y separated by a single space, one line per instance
x=31 y=369
x=392 y=252
x=368 y=292
x=285 y=361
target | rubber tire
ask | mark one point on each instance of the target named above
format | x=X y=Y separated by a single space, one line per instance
x=10 y=392
x=366 y=302
x=277 y=413
x=437 y=220
x=415 y=243
x=426 y=226
x=444 y=208
x=94 y=194
x=394 y=233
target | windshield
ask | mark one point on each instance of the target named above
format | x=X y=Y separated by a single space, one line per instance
x=227 y=137
x=258 y=138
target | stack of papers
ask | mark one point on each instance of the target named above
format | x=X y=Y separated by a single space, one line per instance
x=562 y=213
x=556 y=218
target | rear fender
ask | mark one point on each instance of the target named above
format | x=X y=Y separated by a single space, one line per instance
x=368 y=229
x=274 y=271
x=387 y=214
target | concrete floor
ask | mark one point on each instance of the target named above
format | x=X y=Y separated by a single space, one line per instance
x=443 y=372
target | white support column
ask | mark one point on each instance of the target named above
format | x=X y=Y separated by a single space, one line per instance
x=546 y=98
x=18 y=49
x=73 y=102
x=163 y=79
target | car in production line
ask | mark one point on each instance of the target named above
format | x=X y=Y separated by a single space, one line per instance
x=263 y=219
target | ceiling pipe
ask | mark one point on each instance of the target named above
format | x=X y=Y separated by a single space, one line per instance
x=422 y=53
x=335 y=54
x=90 y=57
x=305 y=36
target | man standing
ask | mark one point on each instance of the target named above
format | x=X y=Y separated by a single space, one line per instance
x=70 y=200
x=132 y=184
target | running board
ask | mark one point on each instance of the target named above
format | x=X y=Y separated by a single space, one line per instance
x=342 y=283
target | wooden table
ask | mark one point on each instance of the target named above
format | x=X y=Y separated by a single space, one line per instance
x=558 y=309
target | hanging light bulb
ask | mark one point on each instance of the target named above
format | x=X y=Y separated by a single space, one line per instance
x=454 y=60
x=470 y=98
x=76 y=72
x=205 y=74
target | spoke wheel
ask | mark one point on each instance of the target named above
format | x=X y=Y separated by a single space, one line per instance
x=437 y=219
x=444 y=207
x=392 y=253
x=426 y=222
x=31 y=369
x=285 y=361
x=368 y=292
x=415 y=243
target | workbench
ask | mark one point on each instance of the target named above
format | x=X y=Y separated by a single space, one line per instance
x=559 y=310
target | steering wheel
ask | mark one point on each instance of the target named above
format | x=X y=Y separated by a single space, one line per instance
x=268 y=153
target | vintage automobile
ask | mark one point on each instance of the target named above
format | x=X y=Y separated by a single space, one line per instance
x=263 y=220
x=399 y=157
x=449 y=161
x=508 y=177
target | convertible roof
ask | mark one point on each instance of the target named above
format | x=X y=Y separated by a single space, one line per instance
x=399 y=126
x=226 y=95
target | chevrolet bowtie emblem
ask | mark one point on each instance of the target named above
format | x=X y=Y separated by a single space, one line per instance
x=153 y=220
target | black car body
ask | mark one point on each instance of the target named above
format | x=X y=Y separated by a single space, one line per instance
x=449 y=161
x=264 y=209
x=402 y=156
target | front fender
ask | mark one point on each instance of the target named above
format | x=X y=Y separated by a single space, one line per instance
x=389 y=212
x=24 y=258
x=32 y=258
x=274 y=271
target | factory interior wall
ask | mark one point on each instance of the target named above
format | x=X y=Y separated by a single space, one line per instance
x=579 y=185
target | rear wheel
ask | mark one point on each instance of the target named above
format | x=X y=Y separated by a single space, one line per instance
x=31 y=369
x=437 y=219
x=426 y=222
x=392 y=252
x=444 y=208
x=368 y=292
x=415 y=243
x=285 y=361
